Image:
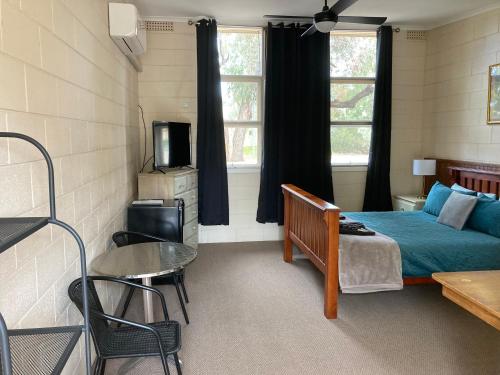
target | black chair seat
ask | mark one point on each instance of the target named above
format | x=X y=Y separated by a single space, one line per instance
x=129 y=341
x=134 y=339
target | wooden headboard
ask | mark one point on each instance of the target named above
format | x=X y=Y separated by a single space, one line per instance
x=472 y=175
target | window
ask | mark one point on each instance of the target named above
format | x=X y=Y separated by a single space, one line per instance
x=352 y=72
x=241 y=67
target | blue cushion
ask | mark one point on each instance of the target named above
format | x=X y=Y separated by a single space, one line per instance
x=460 y=189
x=486 y=217
x=436 y=199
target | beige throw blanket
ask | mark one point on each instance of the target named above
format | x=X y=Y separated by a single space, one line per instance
x=369 y=264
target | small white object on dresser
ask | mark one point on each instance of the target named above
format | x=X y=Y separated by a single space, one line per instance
x=407 y=203
x=176 y=183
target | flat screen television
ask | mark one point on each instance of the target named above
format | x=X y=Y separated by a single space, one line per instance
x=171 y=144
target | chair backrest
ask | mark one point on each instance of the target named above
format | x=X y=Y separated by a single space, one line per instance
x=124 y=238
x=99 y=327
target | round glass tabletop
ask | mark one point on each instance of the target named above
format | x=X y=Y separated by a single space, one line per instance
x=144 y=260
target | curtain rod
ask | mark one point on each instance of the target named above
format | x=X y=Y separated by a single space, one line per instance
x=196 y=20
x=301 y=24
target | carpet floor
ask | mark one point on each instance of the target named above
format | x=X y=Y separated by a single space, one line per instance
x=253 y=314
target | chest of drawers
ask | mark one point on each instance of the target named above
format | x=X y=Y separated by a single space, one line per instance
x=178 y=183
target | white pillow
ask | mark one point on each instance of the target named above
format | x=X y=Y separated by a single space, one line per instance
x=463 y=190
x=487 y=195
x=457 y=210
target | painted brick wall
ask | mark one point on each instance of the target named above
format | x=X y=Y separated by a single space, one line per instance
x=456 y=82
x=65 y=83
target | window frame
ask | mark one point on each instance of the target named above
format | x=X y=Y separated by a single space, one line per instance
x=351 y=80
x=260 y=81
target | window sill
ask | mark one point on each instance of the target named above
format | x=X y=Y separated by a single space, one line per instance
x=349 y=168
x=243 y=169
x=335 y=168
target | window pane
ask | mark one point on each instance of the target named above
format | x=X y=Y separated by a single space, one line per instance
x=239 y=101
x=351 y=55
x=350 y=144
x=352 y=102
x=240 y=52
x=241 y=145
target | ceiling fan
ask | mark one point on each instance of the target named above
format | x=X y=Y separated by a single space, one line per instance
x=325 y=21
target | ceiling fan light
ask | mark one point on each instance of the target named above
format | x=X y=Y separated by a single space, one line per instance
x=325 y=26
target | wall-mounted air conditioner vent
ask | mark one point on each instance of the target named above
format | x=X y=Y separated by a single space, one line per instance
x=128 y=31
x=416 y=35
x=159 y=25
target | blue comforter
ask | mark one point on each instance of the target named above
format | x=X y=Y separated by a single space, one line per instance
x=427 y=246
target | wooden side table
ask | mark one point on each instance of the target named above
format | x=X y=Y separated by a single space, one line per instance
x=407 y=203
x=475 y=291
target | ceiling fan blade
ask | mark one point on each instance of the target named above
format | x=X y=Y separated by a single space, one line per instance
x=342 y=5
x=364 y=20
x=309 y=31
x=278 y=17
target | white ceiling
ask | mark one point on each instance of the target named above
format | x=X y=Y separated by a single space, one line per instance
x=421 y=13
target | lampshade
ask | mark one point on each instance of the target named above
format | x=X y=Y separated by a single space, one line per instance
x=325 y=26
x=424 y=167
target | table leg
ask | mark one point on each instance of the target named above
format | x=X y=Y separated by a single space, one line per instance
x=148 y=301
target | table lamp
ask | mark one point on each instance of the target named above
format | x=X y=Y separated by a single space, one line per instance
x=424 y=168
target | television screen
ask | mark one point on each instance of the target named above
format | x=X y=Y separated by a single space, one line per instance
x=172 y=144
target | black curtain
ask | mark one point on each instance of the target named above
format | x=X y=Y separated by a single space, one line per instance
x=213 y=202
x=378 y=181
x=297 y=118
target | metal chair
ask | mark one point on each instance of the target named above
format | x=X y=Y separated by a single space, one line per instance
x=124 y=238
x=134 y=339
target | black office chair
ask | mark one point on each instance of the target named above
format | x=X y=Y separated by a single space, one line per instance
x=124 y=238
x=134 y=340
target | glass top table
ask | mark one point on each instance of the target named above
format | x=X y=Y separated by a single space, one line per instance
x=144 y=261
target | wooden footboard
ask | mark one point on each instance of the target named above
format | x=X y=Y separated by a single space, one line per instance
x=313 y=226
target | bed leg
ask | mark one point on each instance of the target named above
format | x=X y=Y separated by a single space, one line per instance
x=287 y=249
x=331 y=296
x=331 y=265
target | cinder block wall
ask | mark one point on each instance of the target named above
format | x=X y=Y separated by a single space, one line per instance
x=456 y=89
x=65 y=83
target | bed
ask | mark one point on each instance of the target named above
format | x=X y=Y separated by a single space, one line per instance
x=313 y=226
x=427 y=247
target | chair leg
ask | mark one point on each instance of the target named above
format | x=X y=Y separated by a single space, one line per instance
x=127 y=303
x=165 y=365
x=103 y=367
x=97 y=366
x=181 y=301
x=181 y=278
x=177 y=364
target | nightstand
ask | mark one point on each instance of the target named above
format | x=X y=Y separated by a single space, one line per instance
x=407 y=203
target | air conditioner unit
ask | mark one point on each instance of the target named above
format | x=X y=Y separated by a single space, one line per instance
x=128 y=30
